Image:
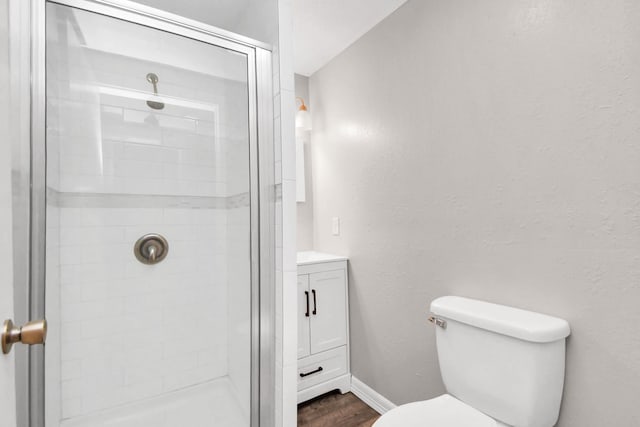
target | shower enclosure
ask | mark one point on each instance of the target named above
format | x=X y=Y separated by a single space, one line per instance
x=151 y=206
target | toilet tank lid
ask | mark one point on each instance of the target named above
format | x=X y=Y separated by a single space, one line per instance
x=513 y=322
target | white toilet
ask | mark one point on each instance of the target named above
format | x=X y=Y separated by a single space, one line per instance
x=501 y=366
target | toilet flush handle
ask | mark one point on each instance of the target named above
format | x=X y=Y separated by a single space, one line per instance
x=438 y=321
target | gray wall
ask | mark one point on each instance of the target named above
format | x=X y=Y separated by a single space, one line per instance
x=489 y=149
x=305 y=209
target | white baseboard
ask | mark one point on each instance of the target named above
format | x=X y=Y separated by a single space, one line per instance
x=371 y=397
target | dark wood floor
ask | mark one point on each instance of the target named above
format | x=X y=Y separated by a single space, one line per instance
x=336 y=410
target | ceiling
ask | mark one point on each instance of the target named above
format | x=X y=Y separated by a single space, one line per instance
x=255 y=19
x=324 y=28
x=149 y=46
x=219 y=13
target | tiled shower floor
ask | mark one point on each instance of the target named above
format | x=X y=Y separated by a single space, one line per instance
x=212 y=404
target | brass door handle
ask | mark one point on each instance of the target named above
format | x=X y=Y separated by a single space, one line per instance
x=31 y=333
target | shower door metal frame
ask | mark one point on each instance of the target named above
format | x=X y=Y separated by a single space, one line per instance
x=32 y=168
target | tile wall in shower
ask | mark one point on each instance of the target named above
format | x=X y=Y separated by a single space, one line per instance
x=116 y=171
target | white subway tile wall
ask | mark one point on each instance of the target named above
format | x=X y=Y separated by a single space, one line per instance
x=188 y=407
x=110 y=141
x=131 y=331
x=286 y=306
x=124 y=331
x=239 y=336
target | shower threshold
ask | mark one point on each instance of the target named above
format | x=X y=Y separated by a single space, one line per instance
x=209 y=404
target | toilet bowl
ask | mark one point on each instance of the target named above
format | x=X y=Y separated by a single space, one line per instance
x=501 y=367
x=443 y=411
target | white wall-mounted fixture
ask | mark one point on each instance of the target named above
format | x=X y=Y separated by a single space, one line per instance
x=303 y=124
x=301 y=194
x=303 y=118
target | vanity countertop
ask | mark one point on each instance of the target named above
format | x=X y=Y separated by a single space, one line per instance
x=312 y=257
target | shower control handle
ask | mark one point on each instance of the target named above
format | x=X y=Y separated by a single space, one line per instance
x=151 y=248
x=152 y=251
x=34 y=332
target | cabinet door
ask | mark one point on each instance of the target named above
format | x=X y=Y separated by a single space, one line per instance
x=304 y=313
x=328 y=310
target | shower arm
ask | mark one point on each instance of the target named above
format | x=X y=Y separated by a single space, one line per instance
x=153 y=79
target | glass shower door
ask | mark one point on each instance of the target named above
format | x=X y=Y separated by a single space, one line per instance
x=148 y=229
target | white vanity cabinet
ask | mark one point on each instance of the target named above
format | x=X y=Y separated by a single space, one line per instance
x=323 y=325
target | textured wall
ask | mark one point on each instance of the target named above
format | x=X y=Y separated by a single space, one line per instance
x=488 y=149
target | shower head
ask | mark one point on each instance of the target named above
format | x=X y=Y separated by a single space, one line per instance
x=153 y=79
x=155 y=105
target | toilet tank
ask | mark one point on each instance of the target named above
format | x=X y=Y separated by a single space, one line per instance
x=503 y=361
